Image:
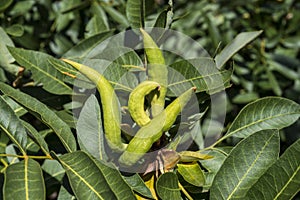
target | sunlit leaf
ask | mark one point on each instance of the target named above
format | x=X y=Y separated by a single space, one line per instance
x=192 y=173
x=16 y=30
x=247 y=161
x=24 y=180
x=88 y=180
x=167 y=186
x=200 y=72
x=137 y=184
x=265 y=113
x=282 y=179
x=234 y=46
x=41 y=69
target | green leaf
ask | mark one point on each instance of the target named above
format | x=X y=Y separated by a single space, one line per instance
x=245 y=97
x=12 y=126
x=192 y=156
x=84 y=47
x=274 y=83
x=135 y=12
x=161 y=20
x=5 y=57
x=212 y=166
x=113 y=66
x=167 y=187
x=116 y=15
x=247 y=161
x=41 y=69
x=234 y=46
x=115 y=181
x=37 y=138
x=89 y=180
x=90 y=129
x=65 y=195
x=200 y=72
x=40 y=110
x=192 y=173
x=24 y=180
x=53 y=175
x=265 y=113
x=19 y=110
x=4 y=140
x=85 y=177
x=16 y=30
x=5 y=4
x=137 y=184
x=67 y=117
x=281 y=180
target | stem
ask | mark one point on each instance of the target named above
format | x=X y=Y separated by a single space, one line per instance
x=4 y=162
x=219 y=150
x=184 y=191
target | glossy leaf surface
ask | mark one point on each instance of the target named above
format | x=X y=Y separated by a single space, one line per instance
x=247 y=161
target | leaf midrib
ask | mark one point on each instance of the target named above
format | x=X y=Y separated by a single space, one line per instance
x=258 y=121
x=81 y=178
x=288 y=182
x=43 y=72
x=250 y=168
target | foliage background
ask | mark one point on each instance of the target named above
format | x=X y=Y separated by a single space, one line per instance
x=267 y=67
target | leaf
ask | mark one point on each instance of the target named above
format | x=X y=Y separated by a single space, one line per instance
x=281 y=180
x=40 y=110
x=191 y=156
x=200 y=72
x=265 y=113
x=63 y=194
x=4 y=140
x=24 y=180
x=41 y=69
x=234 y=46
x=247 y=161
x=53 y=175
x=245 y=97
x=192 y=174
x=84 y=47
x=135 y=12
x=161 y=20
x=67 y=117
x=150 y=183
x=90 y=129
x=38 y=139
x=5 y=4
x=5 y=57
x=137 y=184
x=115 y=181
x=12 y=126
x=19 y=110
x=167 y=186
x=212 y=166
x=116 y=15
x=87 y=180
x=16 y=30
